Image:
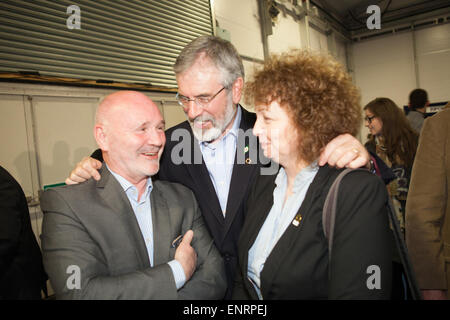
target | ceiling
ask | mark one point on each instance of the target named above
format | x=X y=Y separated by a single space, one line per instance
x=352 y=15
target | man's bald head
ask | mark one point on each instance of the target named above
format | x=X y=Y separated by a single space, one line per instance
x=120 y=101
x=129 y=128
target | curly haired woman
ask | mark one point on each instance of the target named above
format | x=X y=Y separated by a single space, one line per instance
x=302 y=101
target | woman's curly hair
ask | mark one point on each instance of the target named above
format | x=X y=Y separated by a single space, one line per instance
x=316 y=92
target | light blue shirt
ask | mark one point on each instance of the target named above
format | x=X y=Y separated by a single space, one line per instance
x=143 y=211
x=219 y=159
x=278 y=220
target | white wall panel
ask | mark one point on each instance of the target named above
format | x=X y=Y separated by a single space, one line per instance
x=15 y=155
x=341 y=53
x=250 y=68
x=286 y=35
x=433 y=57
x=384 y=67
x=59 y=121
x=240 y=18
x=318 y=41
x=173 y=113
x=64 y=132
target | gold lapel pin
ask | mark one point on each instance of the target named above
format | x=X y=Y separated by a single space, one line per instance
x=248 y=161
x=298 y=218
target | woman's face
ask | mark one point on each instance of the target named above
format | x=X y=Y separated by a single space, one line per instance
x=373 y=123
x=277 y=135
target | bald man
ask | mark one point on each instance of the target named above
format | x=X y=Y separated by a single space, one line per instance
x=126 y=236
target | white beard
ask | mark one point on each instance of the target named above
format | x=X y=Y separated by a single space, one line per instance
x=218 y=126
x=206 y=135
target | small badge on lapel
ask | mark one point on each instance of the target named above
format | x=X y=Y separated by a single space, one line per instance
x=247 y=160
x=298 y=218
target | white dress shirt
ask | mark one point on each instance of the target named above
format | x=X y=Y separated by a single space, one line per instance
x=281 y=215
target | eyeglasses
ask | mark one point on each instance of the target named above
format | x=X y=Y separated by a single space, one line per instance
x=369 y=119
x=201 y=101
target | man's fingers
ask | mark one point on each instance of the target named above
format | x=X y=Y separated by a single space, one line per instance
x=346 y=159
x=186 y=254
x=328 y=154
x=337 y=155
x=92 y=166
x=344 y=151
x=85 y=169
x=73 y=179
x=80 y=174
x=70 y=181
x=357 y=163
x=361 y=160
x=188 y=236
x=95 y=163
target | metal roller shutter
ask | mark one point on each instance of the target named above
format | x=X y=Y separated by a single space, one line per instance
x=122 y=41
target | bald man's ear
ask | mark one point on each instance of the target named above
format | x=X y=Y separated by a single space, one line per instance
x=237 y=87
x=100 y=137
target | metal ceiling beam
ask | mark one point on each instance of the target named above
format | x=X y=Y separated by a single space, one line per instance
x=441 y=16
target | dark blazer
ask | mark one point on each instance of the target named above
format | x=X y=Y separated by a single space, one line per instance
x=22 y=274
x=224 y=230
x=298 y=267
x=92 y=225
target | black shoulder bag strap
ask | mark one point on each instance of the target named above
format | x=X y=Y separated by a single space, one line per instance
x=328 y=221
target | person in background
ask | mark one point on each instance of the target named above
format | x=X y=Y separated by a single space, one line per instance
x=302 y=102
x=394 y=142
x=428 y=208
x=418 y=102
x=22 y=275
x=210 y=78
x=127 y=236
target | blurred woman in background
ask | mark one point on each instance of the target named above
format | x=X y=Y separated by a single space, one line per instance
x=394 y=141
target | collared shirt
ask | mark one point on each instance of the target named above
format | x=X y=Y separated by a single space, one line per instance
x=279 y=218
x=219 y=159
x=143 y=211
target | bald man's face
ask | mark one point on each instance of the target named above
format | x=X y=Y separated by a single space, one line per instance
x=134 y=138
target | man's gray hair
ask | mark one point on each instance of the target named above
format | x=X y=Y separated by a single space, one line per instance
x=221 y=53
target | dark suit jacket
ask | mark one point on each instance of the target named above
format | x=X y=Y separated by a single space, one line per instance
x=22 y=274
x=297 y=267
x=194 y=175
x=92 y=225
x=224 y=230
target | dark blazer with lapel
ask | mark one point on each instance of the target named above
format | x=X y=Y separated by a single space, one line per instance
x=298 y=267
x=195 y=176
x=22 y=274
x=92 y=225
